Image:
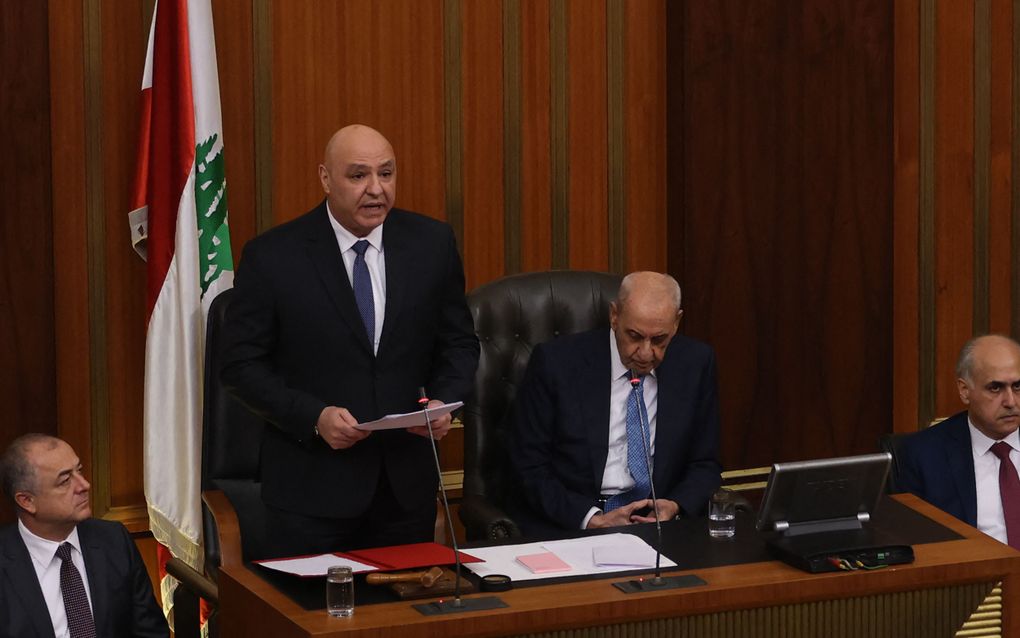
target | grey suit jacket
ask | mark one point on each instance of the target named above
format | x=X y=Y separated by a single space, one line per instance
x=122 y=600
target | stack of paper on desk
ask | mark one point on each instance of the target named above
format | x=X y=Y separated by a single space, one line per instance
x=615 y=552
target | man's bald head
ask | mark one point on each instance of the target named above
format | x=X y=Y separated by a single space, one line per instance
x=988 y=380
x=359 y=176
x=644 y=318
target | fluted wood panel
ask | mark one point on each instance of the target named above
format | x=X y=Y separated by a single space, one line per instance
x=27 y=328
x=781 y=227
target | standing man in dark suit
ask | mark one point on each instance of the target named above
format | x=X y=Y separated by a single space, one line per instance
x=574 y=445
x=339 y=317
x=63 y=573
x=959 y=464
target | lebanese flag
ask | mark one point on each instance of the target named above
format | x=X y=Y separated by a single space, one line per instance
x=179 y=225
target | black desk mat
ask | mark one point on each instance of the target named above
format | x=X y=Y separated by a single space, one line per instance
x=685 y=541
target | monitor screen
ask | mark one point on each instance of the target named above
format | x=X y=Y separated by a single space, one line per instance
x=822 y=490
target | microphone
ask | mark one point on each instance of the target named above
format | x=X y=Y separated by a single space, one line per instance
x=658 y=583
x=457 y=604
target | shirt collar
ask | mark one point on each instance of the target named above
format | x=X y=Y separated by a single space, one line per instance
x=981 y=444
x=43 y=550
x=616 y=366
x=345 y=238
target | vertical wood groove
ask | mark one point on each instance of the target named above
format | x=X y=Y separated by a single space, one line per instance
x=559 y=132
x=262 y=84
x=1015 y=182
x=616 y=138
x=926 y=219
x=453 y=118
x=95 y=213
x=512 y=97
x=982 y=162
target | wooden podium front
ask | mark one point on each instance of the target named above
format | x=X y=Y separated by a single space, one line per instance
x=934 y=596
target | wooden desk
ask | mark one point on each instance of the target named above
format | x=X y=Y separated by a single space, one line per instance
x=931 y=597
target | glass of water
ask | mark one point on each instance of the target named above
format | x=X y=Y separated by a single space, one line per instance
x=340 y=591
x=722 y=514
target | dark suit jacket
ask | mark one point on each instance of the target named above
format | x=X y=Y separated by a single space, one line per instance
x=122 y=600
x=937 y=464
x=560 y=433
x=295 y=344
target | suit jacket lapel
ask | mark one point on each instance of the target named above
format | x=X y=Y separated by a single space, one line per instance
x=398 y=251
x=961 y=464
x=666 y=422
x=16 y=566
x=97 y=567
x=329 y=265
x=593 y=404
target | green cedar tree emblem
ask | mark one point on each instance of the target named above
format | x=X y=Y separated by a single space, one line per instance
x=214 y=254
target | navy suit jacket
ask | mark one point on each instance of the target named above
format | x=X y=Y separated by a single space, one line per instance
x=560 y=430
x=122 y=600
x=937 y=465
x=294 y=343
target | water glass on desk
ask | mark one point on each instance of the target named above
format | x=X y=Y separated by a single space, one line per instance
x=722 y=514
x=340 y=591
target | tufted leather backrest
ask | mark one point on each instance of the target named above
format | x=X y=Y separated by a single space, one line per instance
x=512 y=315
x=231 y=443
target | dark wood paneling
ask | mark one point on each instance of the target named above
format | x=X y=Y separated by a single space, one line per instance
x=644 y=124
x=377 y=63
x=27 y=330
x=786 y=215
x=1000 y=251
x=954 y=197
x=587 y=115
x=482 y=125
x=536 y=163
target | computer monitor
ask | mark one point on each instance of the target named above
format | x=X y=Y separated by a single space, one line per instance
x=823 y=494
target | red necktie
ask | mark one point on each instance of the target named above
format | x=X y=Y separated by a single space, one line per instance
x=1009 y=491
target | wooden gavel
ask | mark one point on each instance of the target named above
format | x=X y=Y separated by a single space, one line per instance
x=427 y=578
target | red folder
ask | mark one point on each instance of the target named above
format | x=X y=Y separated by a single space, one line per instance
x=408 y=556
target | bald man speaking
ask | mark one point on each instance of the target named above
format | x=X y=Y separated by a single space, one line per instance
x=339 y=317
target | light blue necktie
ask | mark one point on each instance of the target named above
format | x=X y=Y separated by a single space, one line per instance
x=636 y=462
x=363 y=290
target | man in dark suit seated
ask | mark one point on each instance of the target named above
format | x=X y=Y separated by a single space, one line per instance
x=338 y=318
x=967 y=464
x=63 y=573
x=575 y=442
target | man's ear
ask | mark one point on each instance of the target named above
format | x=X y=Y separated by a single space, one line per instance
x=614 y=312
x=964 y=389
x=25 y=501
x=324 y=178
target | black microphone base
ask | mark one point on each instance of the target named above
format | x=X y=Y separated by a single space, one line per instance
x=459 y=605
x=661 y=583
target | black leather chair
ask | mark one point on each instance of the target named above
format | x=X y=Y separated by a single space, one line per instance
x=233 y=513
x=511 y=316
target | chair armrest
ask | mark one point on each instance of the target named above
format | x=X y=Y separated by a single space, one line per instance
x=226 y=524
x=193 y=580
x=483 y=520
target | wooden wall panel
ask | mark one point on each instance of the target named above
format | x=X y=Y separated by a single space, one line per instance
x=536 y=163
x=1001 y=127
x=587 y=115
x=645 y=126
x=482 y=170
x=954 y=155
x=377 y=63
x=27 y=328
x=786 y=219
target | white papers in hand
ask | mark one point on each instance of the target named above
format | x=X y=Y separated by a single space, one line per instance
x=409 y=420
x=315 y=565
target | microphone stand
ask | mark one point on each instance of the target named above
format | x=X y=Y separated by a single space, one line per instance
x=657 y=583
x=457 y=605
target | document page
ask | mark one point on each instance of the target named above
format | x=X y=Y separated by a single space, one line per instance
x=314 y=565
x=409 y=420
x=619 y=549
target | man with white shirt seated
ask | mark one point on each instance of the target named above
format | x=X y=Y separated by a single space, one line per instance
x=63 y=573
x=967 y=464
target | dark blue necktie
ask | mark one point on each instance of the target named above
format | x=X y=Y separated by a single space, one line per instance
x=76 y=601
x=363 y=290
x=636 y=461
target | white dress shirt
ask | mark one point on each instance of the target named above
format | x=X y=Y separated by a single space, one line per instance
x=375 y=261
x=616 y=478
x=47 y=570
x=990 y=518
